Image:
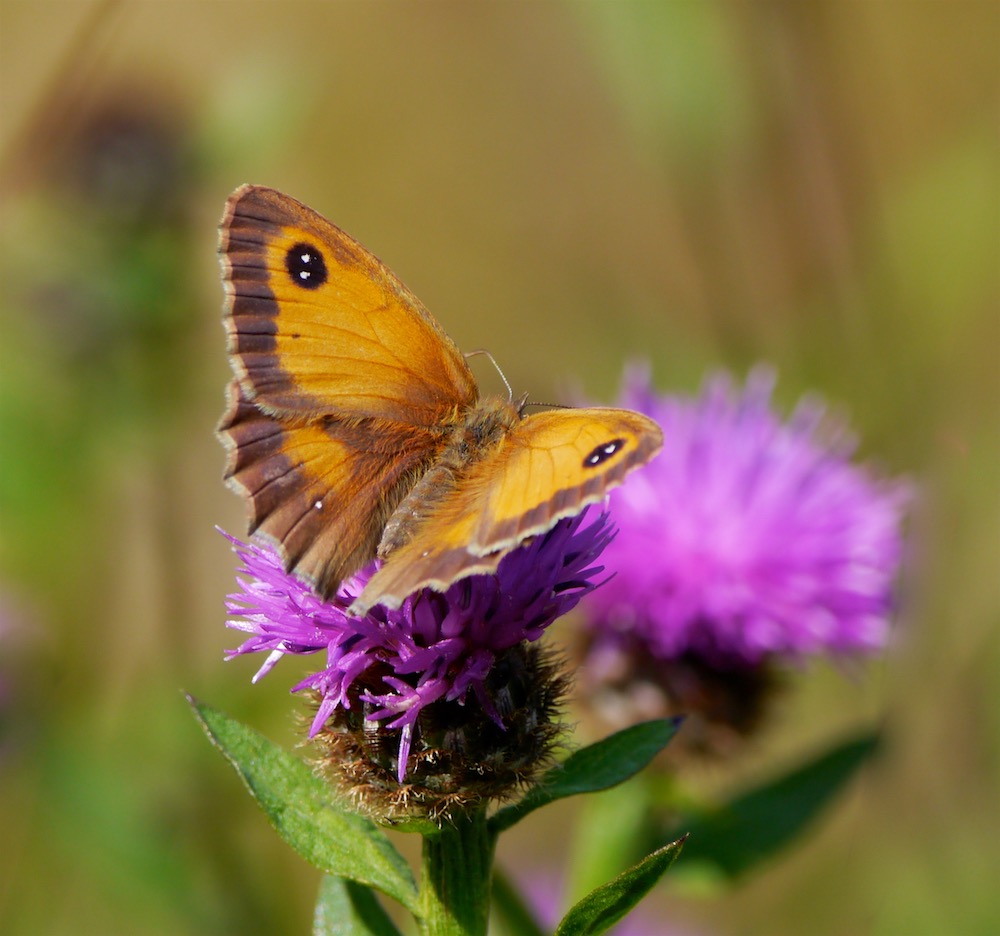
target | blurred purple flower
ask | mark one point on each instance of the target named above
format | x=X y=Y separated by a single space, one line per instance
x=749 y=537
x=435 y=647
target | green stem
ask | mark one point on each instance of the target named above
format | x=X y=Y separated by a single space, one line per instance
x=456 y=871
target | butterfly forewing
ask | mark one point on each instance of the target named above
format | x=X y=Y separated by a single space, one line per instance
x=317 y=324
x=556 y=463
x=549 y=466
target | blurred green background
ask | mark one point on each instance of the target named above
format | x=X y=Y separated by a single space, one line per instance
x=570 y=185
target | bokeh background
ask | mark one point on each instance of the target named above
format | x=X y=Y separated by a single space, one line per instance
x=705 y=184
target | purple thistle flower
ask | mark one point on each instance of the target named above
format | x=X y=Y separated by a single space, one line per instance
x=749 y=538
x=437 y=647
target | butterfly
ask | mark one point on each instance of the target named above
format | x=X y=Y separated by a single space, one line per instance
x=355 y=429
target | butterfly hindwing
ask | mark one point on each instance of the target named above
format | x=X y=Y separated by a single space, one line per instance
x=318 y=490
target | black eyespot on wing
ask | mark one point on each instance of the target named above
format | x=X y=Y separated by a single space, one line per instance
x=603 y=452
x=306 y=266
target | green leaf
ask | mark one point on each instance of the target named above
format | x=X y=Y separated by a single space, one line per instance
x=595 y=767
x=346 y=908
x=759 y=823
x=300 y=806
x=609 y=833
x=511 y=908
x=604 y=907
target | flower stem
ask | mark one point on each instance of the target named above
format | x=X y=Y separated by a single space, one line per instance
x=456 y=871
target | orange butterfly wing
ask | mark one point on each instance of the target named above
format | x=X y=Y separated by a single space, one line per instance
x=317 y=324
x=346 y=388
x=549 y=466
x=320 y=492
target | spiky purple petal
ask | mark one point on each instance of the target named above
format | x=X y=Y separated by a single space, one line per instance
x=435 y=646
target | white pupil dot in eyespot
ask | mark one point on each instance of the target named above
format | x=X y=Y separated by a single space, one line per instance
x=603 y=452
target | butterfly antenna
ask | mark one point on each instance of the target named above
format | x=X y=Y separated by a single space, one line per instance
x=493 y=361
x=525 y=402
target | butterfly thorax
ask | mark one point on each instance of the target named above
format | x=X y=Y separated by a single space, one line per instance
x=480 y=430
x=484 y=426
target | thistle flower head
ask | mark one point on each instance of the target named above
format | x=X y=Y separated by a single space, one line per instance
x=405 y=678
x=749 y=540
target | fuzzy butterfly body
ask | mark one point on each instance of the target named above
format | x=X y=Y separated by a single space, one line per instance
x=355 y=429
